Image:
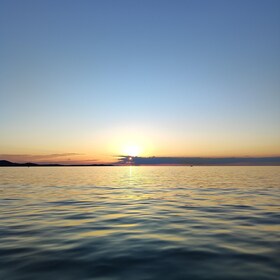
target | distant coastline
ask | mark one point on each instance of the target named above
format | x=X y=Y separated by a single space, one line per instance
x=6 y=163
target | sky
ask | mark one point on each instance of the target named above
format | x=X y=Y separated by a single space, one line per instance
x=86 y=81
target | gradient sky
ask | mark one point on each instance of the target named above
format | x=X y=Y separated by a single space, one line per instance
x=83 y=80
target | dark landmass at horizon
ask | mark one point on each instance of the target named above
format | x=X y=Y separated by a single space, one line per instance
x=188 y=161
x=6 y=163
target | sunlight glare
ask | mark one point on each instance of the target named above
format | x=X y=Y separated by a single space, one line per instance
x=132 y=151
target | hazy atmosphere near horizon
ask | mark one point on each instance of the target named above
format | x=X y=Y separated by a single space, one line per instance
x=87 y=81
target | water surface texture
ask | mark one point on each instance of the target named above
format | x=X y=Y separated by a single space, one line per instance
x=111 y=223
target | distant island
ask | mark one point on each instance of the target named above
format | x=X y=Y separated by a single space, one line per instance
x=6 y=163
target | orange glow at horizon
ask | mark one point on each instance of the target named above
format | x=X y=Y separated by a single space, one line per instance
x=142 y=140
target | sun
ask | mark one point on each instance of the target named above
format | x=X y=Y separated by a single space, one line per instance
x=132 y=150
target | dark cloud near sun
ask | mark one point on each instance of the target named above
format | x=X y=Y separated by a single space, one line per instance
x=198 y=160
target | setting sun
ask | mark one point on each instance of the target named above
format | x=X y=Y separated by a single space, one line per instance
x=131 y=150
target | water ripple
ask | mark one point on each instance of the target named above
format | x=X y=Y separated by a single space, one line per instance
x=140 y=223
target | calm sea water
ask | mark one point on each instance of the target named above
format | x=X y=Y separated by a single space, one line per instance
x=135 y=223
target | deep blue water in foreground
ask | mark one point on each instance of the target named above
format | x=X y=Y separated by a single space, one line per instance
x=135 y=223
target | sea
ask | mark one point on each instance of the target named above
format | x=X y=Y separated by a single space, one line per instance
x=139 y=223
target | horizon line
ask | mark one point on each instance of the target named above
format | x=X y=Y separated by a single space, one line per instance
x=124 y=160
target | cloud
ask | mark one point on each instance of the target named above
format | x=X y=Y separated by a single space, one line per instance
x=198 y=160
x=36 y=158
